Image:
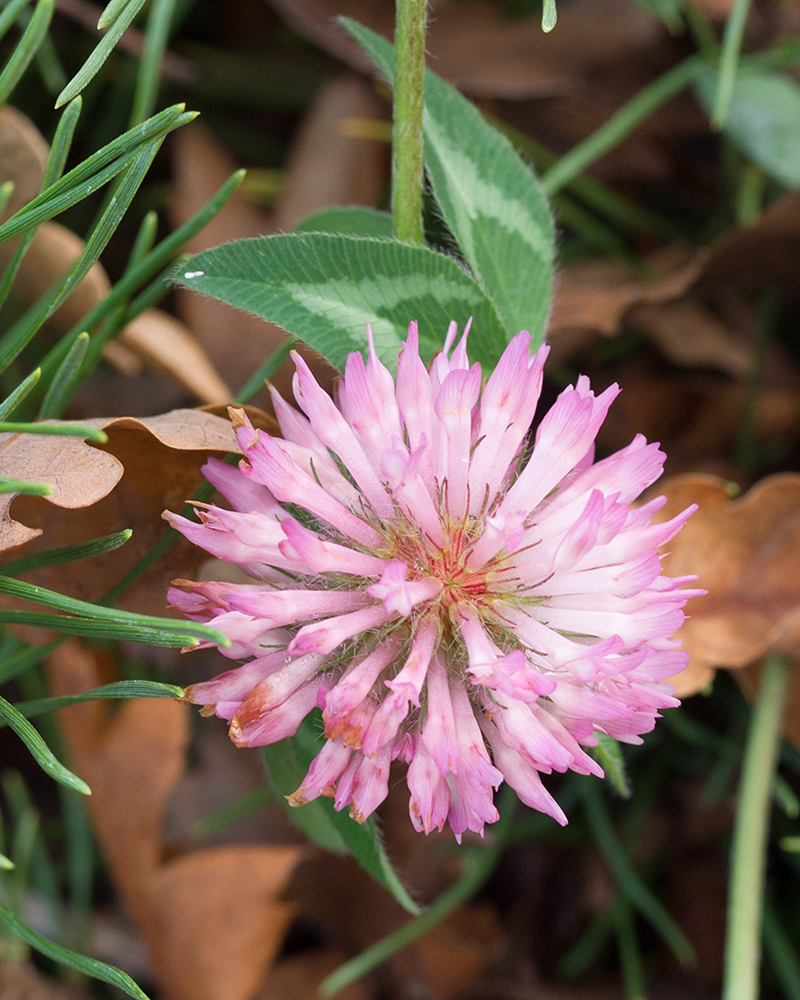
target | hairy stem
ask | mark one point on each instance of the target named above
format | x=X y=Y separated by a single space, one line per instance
x=407 y=128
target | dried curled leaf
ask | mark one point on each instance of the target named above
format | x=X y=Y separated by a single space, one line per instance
x=593 y=297
x=745 y=552
x=212 y=919
x=146 y=465
x=165 y=343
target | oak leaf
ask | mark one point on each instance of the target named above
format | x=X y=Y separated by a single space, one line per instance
x=745 y=552
x=146 y=465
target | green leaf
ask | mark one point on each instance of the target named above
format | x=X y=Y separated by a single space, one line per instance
x=763 y=119
x=325 y=289
x=44 y=756
x=111 y=12
x=609 y=754
x=491 y=201
x=88 y=966
x=287 y=764
x=352 y=220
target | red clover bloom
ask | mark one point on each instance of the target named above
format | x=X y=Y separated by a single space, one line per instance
x=446 y=591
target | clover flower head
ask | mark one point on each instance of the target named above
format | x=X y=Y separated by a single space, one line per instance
x=446 y=589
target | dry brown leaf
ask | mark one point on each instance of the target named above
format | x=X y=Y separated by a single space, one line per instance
x=165 y=343
x=212 y=919
x=695 y=416
x=161 y=457
x=745 y=552
x=593 y=297
x=475 y=48
x=78 y=474
x=769 y=245
x=23 y=157
x=690 y=335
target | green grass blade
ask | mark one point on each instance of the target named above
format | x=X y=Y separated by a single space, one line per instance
x=87 y=966
x=478 y=864
x=628 y=881
x=113 y=691
x=222 y=818
x=59 y=151
x=67 y=553
x=32 y=38
x=39 y=749
x=145 y=240
x=62 y=142
x=112 y=616
x=782 y=953
x=152 y=263
x=101 y=52
x=56 y=430
x=95 y=245
x=24 y=657
x=13 y=399
x=9 y=15
x=93 y=628
x=622 y=123
x=155 y=45
x=24 y=487
x=549 y=15
x=93 y=172
x=111 y=12
x=729 y=60
x=65 y=380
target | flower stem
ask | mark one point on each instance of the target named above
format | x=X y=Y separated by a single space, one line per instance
x=409 y=85
x=751 y=835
